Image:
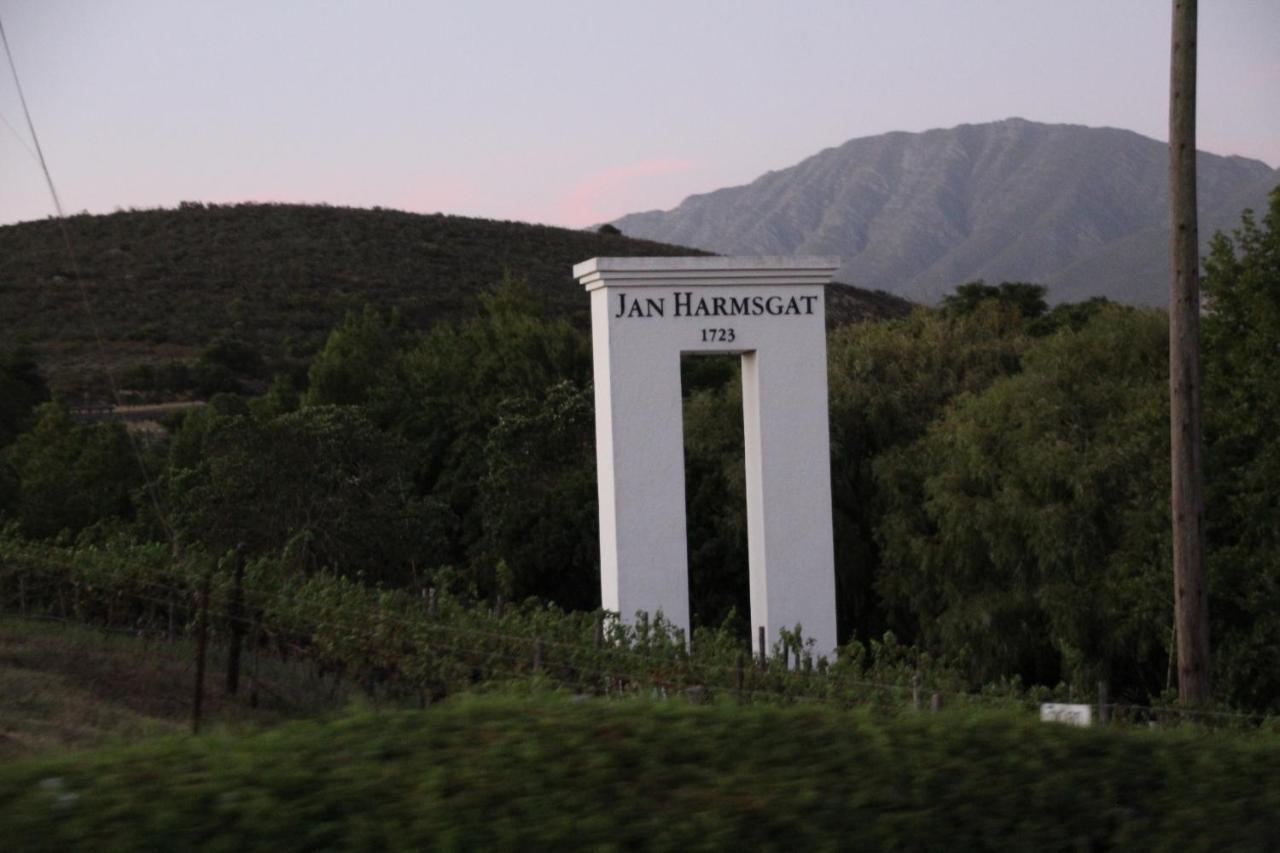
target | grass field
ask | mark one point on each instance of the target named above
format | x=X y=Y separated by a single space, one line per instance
x=69 y=686
x=62 y=686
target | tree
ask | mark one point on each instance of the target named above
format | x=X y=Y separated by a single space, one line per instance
x=224 y=364
x=888 y=382
x=1027 y=527
x=282 y=397
x=1027 y=298
x=1190 y=578
x=1067 y=315
x=446 y=394
x=538 y=497
x=1242 y=409
x=322 y=485
x=22 y=388
x=355 y=358
x=69 y=477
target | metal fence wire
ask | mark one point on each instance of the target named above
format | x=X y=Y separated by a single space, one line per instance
x=306 y=644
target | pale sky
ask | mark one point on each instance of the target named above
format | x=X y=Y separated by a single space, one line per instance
x=570 y=113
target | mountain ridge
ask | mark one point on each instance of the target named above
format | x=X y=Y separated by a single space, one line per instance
x=915 y=214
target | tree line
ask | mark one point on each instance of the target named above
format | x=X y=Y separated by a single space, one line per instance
x=999 y=471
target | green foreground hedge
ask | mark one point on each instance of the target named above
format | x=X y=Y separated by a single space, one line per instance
x=521 y=773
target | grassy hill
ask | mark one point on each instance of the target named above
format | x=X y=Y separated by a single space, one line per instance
x=163 y=285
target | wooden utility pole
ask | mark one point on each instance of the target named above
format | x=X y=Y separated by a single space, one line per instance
x=1190 y=577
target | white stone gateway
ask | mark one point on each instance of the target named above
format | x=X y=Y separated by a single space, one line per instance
x=645 y=314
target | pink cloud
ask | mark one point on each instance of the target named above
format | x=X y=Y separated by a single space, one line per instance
x=582 y=204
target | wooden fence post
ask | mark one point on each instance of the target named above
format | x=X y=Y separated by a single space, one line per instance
x=202 y=642
x=174 y=558
x=935 y=704
x=235 y=615
x=254 y=642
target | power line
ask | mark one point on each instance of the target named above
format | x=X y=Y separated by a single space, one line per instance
x=18 y=136
x=107 y=370
x=22 y=98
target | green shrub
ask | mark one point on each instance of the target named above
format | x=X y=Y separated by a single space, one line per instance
x=519 y=773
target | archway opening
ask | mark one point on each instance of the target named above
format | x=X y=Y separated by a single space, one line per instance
x=715 y=491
